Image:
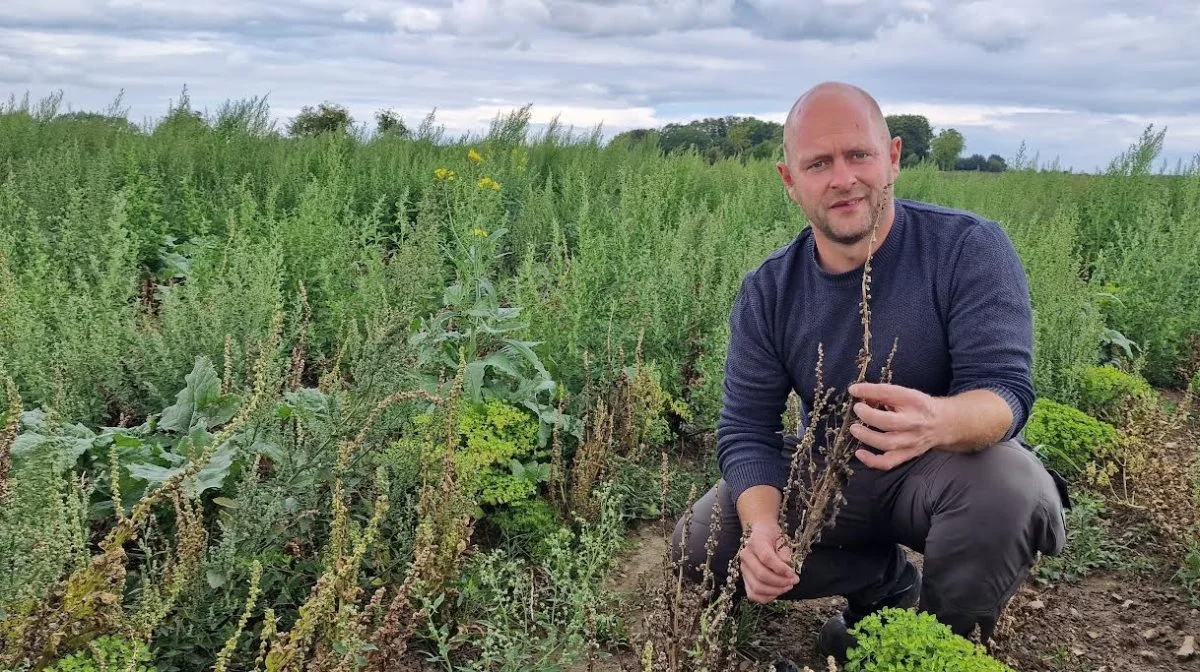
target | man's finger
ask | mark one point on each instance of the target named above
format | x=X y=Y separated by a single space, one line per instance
x=887 y=461
x=774 y=574
x=883 y=393
x=886 y=441
x=880 y=419
x=772 y=561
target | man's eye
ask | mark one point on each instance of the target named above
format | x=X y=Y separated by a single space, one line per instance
x=816 y=164
x=860 y=155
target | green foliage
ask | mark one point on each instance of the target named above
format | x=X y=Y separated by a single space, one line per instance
x=896 y=640
x=1194 y=385
x=526 y=523
x=499 y=449
x=1092 y=544
x=1188 y=574
x=915 y=135
x=107 y=653
x=1109 y=394
x=326 y=118
x=1065 y=437
x=43 y=526
x=946 y=148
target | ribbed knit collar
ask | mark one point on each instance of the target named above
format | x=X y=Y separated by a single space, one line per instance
x=885 y=252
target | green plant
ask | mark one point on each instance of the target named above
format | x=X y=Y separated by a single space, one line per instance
x=896 y=640
x=1065 y=437
x=1188 y=574
x=1090 y=545
x=107 y=653
x=1110 y=394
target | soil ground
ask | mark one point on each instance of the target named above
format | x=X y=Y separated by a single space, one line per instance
x=1107 y=622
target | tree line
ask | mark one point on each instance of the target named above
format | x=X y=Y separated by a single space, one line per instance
x=717 y=138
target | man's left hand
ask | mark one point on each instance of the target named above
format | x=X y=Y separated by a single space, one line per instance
x=903 y=423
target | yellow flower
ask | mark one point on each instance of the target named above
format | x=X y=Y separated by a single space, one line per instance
x=474 y=156
x=444 y=174
x=489 y=183
x=479 y=233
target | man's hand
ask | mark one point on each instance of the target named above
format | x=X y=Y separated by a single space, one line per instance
x=767 y=564
x=905 y=423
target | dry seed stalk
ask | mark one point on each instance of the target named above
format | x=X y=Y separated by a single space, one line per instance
x=822 y=501
x=251 y=601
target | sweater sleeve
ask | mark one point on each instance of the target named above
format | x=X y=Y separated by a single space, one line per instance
x=991 y=322
x=750 y=426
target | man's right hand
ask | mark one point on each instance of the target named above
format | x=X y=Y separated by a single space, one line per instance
x=767 y=564
x=766 y=561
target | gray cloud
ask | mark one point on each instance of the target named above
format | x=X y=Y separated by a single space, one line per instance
x=1091 y=71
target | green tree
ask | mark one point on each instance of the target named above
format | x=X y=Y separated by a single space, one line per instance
x=946 y=147
x=388 y=122
x=327 y=118
x=915 y=135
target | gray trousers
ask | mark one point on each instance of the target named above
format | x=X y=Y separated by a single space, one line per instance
x=979 y=520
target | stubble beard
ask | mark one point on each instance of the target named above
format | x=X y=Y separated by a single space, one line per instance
x=874 y=211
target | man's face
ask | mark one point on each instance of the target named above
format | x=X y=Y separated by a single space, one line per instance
x=839 y=167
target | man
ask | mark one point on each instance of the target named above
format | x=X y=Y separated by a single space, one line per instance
x=941 y=469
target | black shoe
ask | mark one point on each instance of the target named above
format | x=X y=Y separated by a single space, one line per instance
x=783 y=665
x=835 y=638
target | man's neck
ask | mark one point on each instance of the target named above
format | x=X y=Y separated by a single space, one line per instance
x=836 y=258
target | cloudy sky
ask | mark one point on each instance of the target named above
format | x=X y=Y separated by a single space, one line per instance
x=1073 y=79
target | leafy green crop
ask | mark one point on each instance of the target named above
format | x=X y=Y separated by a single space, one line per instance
x=1066 y=438
x=900 y=640
x=1108 y=393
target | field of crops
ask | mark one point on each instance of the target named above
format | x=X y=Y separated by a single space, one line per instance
x=339 y=403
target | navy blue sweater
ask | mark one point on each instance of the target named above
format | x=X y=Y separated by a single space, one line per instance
x=947 y=284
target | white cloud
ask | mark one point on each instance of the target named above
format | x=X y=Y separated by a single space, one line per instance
x=1092 y=72
x=416 y=19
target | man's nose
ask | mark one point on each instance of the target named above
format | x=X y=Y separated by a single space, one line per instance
x=843 y=176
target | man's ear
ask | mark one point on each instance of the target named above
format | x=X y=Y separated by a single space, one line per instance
x=894 y=152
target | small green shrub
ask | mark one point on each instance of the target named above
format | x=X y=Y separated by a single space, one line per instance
x=1195 y=384
x=526 y=523
x=107 y=653
x=1066 y=438
x=1108 y=393
x=896 y=640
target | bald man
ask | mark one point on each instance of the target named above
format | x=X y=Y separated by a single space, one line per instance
x=941 y=468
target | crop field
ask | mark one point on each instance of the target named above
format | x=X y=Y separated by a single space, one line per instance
x=346 y=403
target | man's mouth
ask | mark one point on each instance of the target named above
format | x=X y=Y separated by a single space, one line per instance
x=847 y=204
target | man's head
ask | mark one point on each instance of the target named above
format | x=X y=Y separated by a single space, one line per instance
x=839 y=162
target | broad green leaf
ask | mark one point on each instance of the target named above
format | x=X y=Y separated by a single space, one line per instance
x=152 y=473
x=202 y=389
x=213 y=474
x=26 y=443
x=126 y=441
x=473 y=381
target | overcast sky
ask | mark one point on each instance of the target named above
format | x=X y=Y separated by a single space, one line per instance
x=1076 y=79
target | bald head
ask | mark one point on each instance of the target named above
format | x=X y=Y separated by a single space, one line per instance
x=834 y=94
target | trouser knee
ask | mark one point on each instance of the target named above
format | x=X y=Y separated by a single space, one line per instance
x=1001 y=509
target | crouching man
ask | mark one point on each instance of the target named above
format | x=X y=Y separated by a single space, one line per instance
x=941 y=468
